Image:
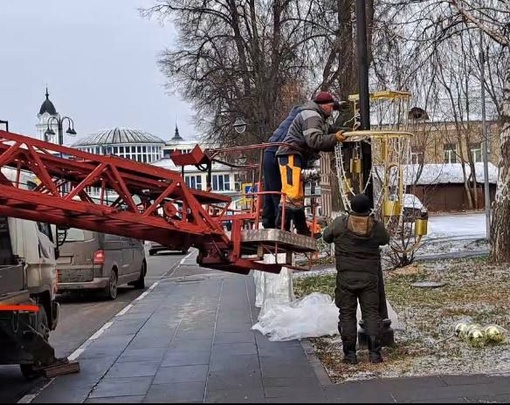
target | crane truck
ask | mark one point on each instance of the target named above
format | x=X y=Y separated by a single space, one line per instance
x=151 y=204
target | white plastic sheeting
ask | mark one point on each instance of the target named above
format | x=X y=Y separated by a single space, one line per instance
x=311 y=316
x=282 y=317
x=271 y=289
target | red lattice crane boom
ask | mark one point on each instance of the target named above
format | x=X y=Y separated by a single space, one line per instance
x=151 y=203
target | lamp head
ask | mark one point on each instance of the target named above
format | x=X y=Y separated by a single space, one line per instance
x=239 y=125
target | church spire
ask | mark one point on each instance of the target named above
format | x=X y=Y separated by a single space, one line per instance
x=177 y=137
x=47 y=106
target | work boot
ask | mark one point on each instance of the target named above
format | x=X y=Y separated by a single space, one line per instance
x=349 y=348
x=299 y=217
x=374 y=350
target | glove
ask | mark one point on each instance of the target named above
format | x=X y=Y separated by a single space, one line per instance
x=340 y=137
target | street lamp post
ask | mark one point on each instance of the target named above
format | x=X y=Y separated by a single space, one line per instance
x=485 y=147
x=60 y=123
x=49 y=132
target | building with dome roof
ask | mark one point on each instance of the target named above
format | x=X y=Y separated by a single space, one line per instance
x=46 y=111
x=128 y=143
x=144 y=147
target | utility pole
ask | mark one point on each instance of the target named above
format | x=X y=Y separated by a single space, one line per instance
x=387 y=333
x=485 y=147
x=364 y=96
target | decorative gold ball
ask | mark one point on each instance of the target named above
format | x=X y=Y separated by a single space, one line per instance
x=476 y=337
x=494 y=333
x=460 y=328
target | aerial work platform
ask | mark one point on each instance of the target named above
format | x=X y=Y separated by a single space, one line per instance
x=149 y=203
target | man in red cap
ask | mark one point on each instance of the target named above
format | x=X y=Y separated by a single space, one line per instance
x=307 y=135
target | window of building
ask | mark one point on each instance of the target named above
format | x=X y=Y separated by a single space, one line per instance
x=221 y=182
x=417 y=156
x=476 y=151
x=93 y=191
x=194 y=182
x=450 y=153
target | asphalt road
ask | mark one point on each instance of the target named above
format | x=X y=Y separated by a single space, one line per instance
x=80 y=317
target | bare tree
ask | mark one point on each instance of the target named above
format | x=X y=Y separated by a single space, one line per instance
x=491 y=18
x=434 y=30
x=236 y=59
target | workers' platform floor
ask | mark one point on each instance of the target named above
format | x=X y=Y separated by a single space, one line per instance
x=190 y=340
x=275 y=240
x=286 y=240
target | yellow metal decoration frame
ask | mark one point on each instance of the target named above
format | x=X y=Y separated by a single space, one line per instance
x=390 y=142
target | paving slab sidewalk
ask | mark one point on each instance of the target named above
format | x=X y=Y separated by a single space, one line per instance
x=190 y=340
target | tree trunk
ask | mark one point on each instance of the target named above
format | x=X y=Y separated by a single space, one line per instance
x=500 y=230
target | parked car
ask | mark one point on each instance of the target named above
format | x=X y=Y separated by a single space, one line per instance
x=412 y=207
x=154 y=248
x=97 y=261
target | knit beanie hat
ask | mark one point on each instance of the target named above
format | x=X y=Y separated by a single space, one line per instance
x=324 y=97
x=360 y=204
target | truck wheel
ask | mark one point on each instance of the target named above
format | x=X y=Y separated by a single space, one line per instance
x=140 y=283
x=152 y=252
x=42 y=323
x=110 y=292
x=28 y=371
x=184 y=251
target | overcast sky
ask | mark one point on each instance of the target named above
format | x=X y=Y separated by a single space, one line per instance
x=98 y=58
